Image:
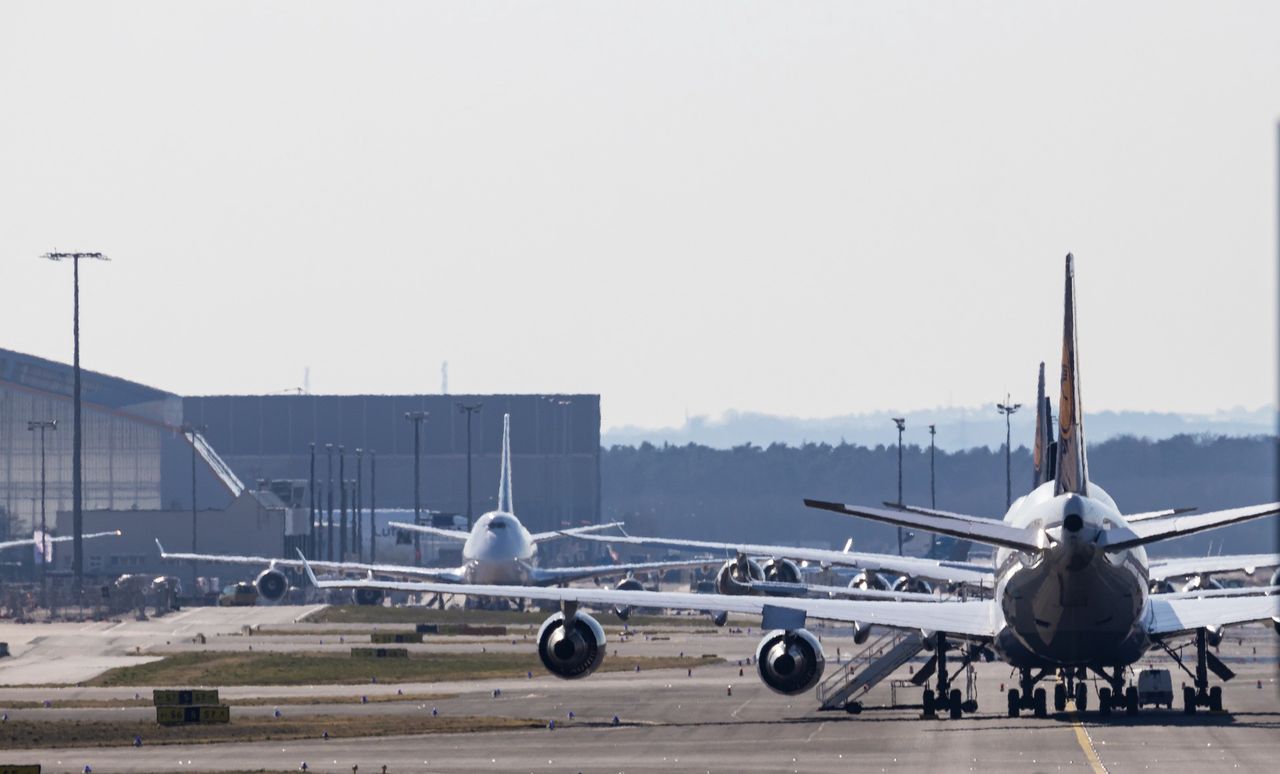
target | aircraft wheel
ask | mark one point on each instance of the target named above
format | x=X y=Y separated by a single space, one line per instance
x=1189 y=700
x=1215 y=699
x=954 y=704
x=1013 y=702
x=1104 y=701
x=1059 y=697
x=1041 y=704
x=1082 y=697
x=1131 y=700
x=929 y=709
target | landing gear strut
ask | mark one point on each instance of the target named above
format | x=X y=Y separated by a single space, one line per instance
x=945 y=698
x=1201 y=695
x=1114 y=695
x=1030 y=697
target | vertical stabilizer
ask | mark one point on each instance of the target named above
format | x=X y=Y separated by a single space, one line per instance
x=505 y=503
x=1041 y=466
x=1072 y=468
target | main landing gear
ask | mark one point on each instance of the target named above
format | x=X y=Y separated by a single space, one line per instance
x=1030 y=697
x=1114 y=695
x=944 y=697
x=1201 y=695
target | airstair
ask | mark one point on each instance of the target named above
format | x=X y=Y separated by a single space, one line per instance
x=868 y=668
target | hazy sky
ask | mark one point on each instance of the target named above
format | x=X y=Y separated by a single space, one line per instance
x=796 y=208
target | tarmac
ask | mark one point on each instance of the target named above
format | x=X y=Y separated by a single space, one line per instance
x=669 y=720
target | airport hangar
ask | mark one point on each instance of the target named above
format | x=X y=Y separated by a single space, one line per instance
x=137 y=462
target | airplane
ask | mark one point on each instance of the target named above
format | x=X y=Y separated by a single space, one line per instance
x=498 y=550
x=1071 y=592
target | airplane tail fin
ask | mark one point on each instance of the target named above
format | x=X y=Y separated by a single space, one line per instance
x=1043 y=452
x=1072 y=468
x=504 y=477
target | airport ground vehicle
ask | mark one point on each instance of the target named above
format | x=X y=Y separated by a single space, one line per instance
x=1155 y=687
x=241 y=594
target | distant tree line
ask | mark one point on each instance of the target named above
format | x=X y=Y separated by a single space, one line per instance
x=755 y=493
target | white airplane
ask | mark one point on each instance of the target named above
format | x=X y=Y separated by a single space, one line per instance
x=1071 y=592
x=497 y=550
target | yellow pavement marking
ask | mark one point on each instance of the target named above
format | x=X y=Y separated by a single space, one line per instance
x=1086 y=743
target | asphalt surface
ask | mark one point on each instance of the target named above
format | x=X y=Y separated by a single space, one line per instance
x=671 y=721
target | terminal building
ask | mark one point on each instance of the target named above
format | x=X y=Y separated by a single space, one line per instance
x=147 y=452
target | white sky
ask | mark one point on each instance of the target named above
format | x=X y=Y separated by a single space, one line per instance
x=797 y=208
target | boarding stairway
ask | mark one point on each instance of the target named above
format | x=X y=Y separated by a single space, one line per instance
x=868 y=668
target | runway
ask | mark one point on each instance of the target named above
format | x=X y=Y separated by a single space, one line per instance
x=672 y=721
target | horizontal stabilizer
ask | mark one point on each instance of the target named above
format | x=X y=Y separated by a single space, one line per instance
x=986 y=531
x=539 y=537
x=452 y=534
x=1153 y=530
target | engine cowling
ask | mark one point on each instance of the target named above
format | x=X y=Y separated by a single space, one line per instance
x=1198 y=582
x=721 y=617
x=272 y=585
x=913 y=585
x=367 y=596
x=869 y=579
x=1161 y=587
x=861 y=632
x=781 y=571
x=790 y=662
x=1275 y=577
x=1213 y=635
x=736 y=575
x=626 y=584
x=574 y=650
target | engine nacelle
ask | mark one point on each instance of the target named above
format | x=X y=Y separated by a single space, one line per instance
x=366 y=596
x=626 y=584
x=913 y=585
x=869 y=579
x=861 y=632
x=1213 y=635
x=781 y=571
x=1275 y=578
x=272 y=585
x=721 y=617
x=736 y=575
x=1161 y=587
x=790 y=662
x=574 y=650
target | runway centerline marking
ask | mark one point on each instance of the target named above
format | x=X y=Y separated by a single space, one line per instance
x=1086 y=743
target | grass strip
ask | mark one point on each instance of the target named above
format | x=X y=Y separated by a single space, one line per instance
x=247 y=701
x=34 y=734
x=195 y=669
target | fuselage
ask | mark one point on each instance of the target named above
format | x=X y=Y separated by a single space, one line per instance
x=498 y=551
x=1072 y=604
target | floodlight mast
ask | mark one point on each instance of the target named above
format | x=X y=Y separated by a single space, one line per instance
x=77 y=443
x=901 y=422
x=1008 y=408
x=42 y=425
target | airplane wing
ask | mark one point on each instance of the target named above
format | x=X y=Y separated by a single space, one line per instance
x=1149 y=515
x=970 y=619
x=452 y=534
x=539 y=537
x=59 y=539
x=441 y=574
x=955 y=572
x=1153 y=530
x=1162 y=569
x=551 y=575
x=779 y=589
x=1185 y=613
x=988 y=531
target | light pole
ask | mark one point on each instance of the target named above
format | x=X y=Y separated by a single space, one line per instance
x=1008 y=408
x=43 y=425
x=77 y=443
x=358 y=526
x=342 y=497
x=311 y=486
x=190 y=431
x=417 y=418
x=373 y=506
x=469 y=409
x=933 y=497
x=901 y=422
x=328 y=526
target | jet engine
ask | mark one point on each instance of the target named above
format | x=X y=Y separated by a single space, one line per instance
x=1161 y=587
x=781 y=571
x=626 y=584
x=861 y=632
x=571 y=650
x=790 y=662
x=869 y=579
x=272 y=585
x=914 y=585
x=1213 y=635
x=736 y=574
x=366 y=596
x=1199 y=582
x=1275 y=577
